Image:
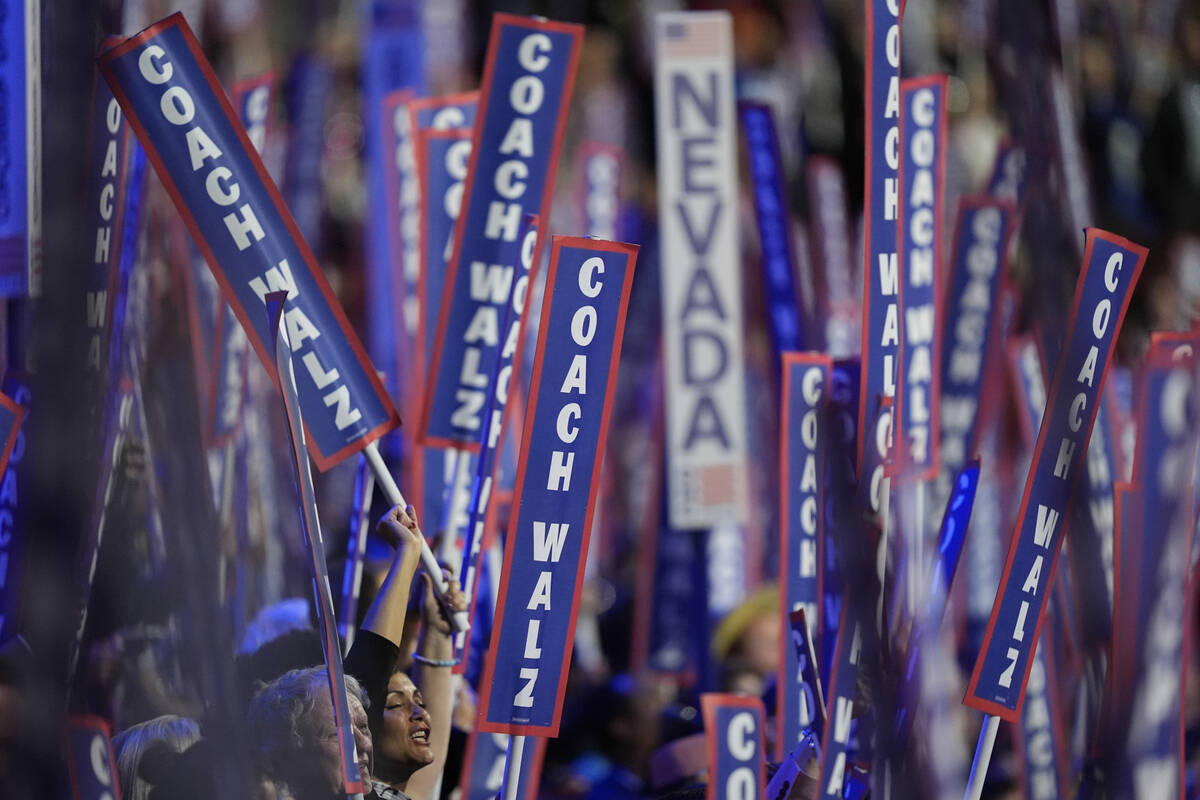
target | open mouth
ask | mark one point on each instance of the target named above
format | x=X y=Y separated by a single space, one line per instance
x=420 y=735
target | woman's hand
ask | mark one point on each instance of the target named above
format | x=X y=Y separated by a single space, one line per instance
x=399 y=528
x=436 y=617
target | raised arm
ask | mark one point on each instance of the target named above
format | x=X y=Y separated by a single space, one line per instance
x=436 y=682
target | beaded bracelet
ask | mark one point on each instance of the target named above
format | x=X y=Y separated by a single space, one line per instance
x=435 y=662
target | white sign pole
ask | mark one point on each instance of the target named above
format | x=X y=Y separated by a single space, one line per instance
x=392 y=492
x=983 y=757
x=512 y=768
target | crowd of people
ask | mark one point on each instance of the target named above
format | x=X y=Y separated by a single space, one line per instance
x=204 y=652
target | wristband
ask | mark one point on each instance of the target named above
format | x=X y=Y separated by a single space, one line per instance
x=435 y=662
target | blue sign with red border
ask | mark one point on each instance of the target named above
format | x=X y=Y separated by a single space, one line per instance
x=882 y=315
x=221 y=188
x=922 y=177
x=91 y=762
x=803 y=441
x=735 y=731
x=444 y=113
x=774 y=227
x=566 y=423
x=1111 y=266
x=526 y=90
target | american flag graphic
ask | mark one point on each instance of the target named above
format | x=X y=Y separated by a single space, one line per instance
x=695 y=35
x=710 y=485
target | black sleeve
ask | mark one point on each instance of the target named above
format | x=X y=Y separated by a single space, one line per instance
x=371 y=660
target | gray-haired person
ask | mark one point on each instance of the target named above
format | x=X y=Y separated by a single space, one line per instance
x=295 y=738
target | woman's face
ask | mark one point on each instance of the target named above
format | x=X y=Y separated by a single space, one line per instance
x=323 y=732
x=404 y=739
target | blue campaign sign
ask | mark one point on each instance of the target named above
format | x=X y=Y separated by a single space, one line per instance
x=735 y=732
x=843 y=682
x=444 y=113
x=881 y=324
x=951 y=538
x=227 y=387
x=1010 y=175
x=91 y=762
x=13 y=408
x=107 y=183
x=527 y=83
x=803 y=440
x=600 y=169
x=1025 y=366
x=923 y=143
x=237 y=218
x=839 y=470
x=834 y=279
x=14 y=173
x=566 y=423
x=1111 y=267
x=441 y=162
x=392 y=335
x=774 y=226
x=978 y=260
x=1042 y=740
x=393 y=60
x=1158 y=570
x=309 y=88
x=253 y=100
x=483 y=766
x=1091 y=531
x=800 y=700
x=227 y=379
x=495 y=417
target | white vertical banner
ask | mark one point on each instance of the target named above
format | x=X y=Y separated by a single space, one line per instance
x=700 y=267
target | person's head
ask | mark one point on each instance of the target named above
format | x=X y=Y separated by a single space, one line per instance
x=292 y=725
x=403 y=743
x=176 y=733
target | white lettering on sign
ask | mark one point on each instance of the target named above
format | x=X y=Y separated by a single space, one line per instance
x=1063 y=447
x=812 y=390
x=602 y=172
x=255 y=118
x=409 y=201
x=741 y=741
x=105 y=248
x=243 y=227
x=843 y=713
x=550 y=537
x=920 y=247
x=1157 y=693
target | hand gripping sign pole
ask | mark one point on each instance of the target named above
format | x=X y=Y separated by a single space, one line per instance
x=1111 y=266
x=316 y=549
x=221 y=188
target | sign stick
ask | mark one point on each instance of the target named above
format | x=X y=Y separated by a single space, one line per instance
x=364 y=489
x=392 y=492
x=460 y=483
x=983 y=756
x=916 y=568
x=512 y=768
